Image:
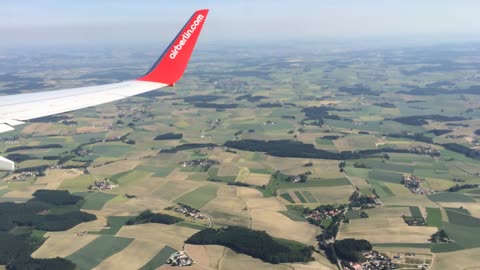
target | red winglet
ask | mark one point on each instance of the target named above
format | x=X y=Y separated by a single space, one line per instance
x=170 y=66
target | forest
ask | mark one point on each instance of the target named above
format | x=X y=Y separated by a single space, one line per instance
x=257 y=244
x=148 y=216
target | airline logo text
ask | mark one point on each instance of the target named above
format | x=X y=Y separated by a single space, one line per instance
x=185 y=36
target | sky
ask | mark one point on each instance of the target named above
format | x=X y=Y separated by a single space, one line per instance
x=39 y=22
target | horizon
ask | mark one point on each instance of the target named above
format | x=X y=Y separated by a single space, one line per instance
x=46 y=23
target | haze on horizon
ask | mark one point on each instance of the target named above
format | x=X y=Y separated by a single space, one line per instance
x=31 y=22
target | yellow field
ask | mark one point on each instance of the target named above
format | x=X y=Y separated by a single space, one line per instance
x=62 y=244
x=115 y=167
x=254 y=200
x=278 y=225
x=171 y=235
x=464 y=259
x=171 y=190
x=136 y=205
x=54 y=178
x=134 y=256
x=235 y=261
x=257 y=179
x=199 y=254
x=227 y=208
x=385 y=230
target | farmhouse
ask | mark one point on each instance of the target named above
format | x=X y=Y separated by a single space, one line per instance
x=203 y=163
x=187 y=211
x=179 y=259
x=101 y=185
x=412 y=182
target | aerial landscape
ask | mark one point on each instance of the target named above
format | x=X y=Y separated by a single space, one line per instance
x=261 y=157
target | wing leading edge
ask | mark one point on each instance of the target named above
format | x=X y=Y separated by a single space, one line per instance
x=168 y=69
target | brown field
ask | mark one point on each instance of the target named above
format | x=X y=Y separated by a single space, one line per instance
x=227 y=208
x=281 y=226
x=54 y=178
x=134 y=256
x=464 y=259
x=62 y=244
x=171 y=235
x=385 y=230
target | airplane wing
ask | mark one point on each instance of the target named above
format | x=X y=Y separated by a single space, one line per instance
x=15 y=109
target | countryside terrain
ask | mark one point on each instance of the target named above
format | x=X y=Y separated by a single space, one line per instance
x=257 y=138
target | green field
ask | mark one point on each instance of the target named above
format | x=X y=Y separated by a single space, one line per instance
x=384 y=166
x=199 y=197
x=462 y=217
x=287 y=197
x=295 y=213
x=464 y=236
x=380 y=188
x=159 y=259
x=450 y=197
x=96 y=200
x=300 y=196
x=415 y=211
x=385 y=176
x=98 y=250
x=309 y=196
x=114 y=223
x=434 y=217
x=157 y=171
x=111 y=149
x=277 y=183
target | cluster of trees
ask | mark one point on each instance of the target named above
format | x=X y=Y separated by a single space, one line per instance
x=56 y=197
x=288 y=148
x=257 y=244
x=168 y=136
x=202 y=98
x=269 y=105
x=209 y=105
x=317 y=114
x=467 y=151
x=458 y=187
x=47 y=211
x=250 y=98
x=350 y=249
x=429 y=91
x=187 y=146
x=439 y=132
x=16 y=250
x=385 y=105
x=439 y=237
x=148 y=216
x=39 y=212
x=420 y=120
x=359 y=200
x=358 y=89
x=29 y=147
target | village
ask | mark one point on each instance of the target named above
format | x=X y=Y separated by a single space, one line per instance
x=424 y=150
x=187 y=211
x=102 y=185
x=413 y=182
x=375 y=260
x=203 y=163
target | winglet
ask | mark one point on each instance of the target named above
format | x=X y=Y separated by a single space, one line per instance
x=170 y=66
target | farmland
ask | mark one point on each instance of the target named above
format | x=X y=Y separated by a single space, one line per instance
x=281 y=135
